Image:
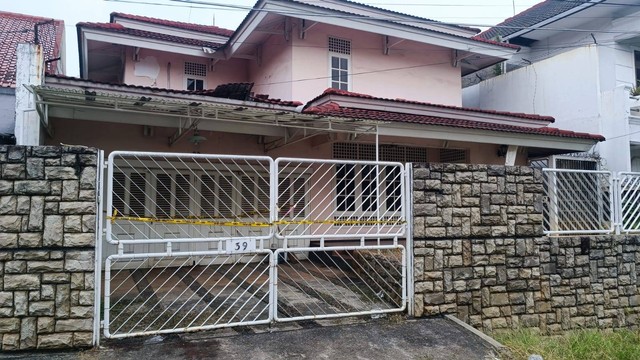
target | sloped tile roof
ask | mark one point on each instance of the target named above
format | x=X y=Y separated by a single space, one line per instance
x=532 y=16
x=118 y=28
x=209 y=29
x=333 y=109
x=473 y=110
x=19 y=28
x=265 y=99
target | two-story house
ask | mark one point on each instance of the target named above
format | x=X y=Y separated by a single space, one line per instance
x=393 y=79
x=579 y=61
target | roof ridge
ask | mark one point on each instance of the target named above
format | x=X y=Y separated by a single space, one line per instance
x=27 y=16
x=331 y=91
x=212 y=29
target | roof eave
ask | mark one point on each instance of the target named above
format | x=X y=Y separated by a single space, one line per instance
x=104 y=35
x=552 y=19
x=317 y=14
x=442 y=132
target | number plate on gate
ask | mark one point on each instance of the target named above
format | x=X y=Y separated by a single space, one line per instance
x=241 y=245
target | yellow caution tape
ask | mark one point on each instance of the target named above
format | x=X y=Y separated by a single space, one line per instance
x=195 y=221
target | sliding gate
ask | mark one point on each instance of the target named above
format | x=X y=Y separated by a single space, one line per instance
x=197 y=242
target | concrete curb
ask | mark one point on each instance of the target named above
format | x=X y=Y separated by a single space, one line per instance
x=486 y=338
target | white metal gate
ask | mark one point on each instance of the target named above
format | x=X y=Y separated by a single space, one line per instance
x=197 y=241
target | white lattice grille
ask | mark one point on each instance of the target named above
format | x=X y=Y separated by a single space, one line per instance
x=196 y=69
x=367 y=152
x=340 y=46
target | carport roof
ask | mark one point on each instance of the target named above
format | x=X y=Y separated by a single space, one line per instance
x=260 y=111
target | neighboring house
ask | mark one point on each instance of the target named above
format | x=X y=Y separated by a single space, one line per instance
x=578 y=62
x=16 y=29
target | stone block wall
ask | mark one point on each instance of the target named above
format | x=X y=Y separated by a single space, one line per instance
x=47 y=241
x=480 y=254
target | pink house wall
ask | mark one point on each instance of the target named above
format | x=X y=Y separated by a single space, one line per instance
x=411 y=70
x=273 y=75
x=166 y=70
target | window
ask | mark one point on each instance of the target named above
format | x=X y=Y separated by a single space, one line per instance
x=356 y=185
x=195 y=75
x=128 y=194
x=454 y=156
x=291 y=199
x=636 y=61
x=340 y=58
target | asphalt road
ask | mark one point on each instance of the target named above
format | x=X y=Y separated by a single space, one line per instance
x=424 y=339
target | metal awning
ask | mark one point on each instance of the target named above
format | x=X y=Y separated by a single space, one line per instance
x=199 y=109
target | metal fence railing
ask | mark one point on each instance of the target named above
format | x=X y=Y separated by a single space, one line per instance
x=590 y=202
x=629 y=201
x=577 y=201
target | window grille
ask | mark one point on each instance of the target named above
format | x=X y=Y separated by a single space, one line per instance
x=397 y=153
x=340 y=46
x=453 y=156
x=576 y=164
x=195 y=69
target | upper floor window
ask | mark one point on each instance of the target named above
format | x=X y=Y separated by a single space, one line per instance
x=340 y=63
x=195 y=75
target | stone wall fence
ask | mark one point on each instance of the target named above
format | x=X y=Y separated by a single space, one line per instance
x=480 y=254
x=47 y=241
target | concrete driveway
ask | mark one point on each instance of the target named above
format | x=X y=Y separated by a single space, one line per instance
x=425 y=339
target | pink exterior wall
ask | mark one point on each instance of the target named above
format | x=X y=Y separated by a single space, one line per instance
x=274 y=73
x=420 y=72
x=166 y=70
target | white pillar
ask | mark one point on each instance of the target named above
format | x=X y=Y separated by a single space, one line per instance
x=510 y=158
x=29 y=71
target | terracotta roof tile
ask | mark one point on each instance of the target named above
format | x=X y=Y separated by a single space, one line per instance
x=333 y=109
x=118 y=28
x=19 y=28
x=492 y=112
x=207 y=92
x=210 y=29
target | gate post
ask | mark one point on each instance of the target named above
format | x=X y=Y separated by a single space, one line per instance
x=409 y=236
x=100 y=165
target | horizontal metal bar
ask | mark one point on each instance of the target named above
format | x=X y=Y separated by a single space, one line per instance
x=339 y=162
x=545 y=170
x=183 y=330
x=340 y=315
x=338 y=248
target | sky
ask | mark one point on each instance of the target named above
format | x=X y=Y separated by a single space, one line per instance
x=229 y=13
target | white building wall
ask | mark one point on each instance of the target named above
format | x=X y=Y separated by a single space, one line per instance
x=584 y=89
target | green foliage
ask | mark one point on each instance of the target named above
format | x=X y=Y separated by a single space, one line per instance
x=575 y=345
x=497 y=69
x=635 y=90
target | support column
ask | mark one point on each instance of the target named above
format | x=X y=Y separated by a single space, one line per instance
x=510 y=158
x=29 y=71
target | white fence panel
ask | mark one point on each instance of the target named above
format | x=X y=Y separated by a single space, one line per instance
x=339 y=199
x=578 y=202
x=166 y=196
x=629 y=201
x=339 y=281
